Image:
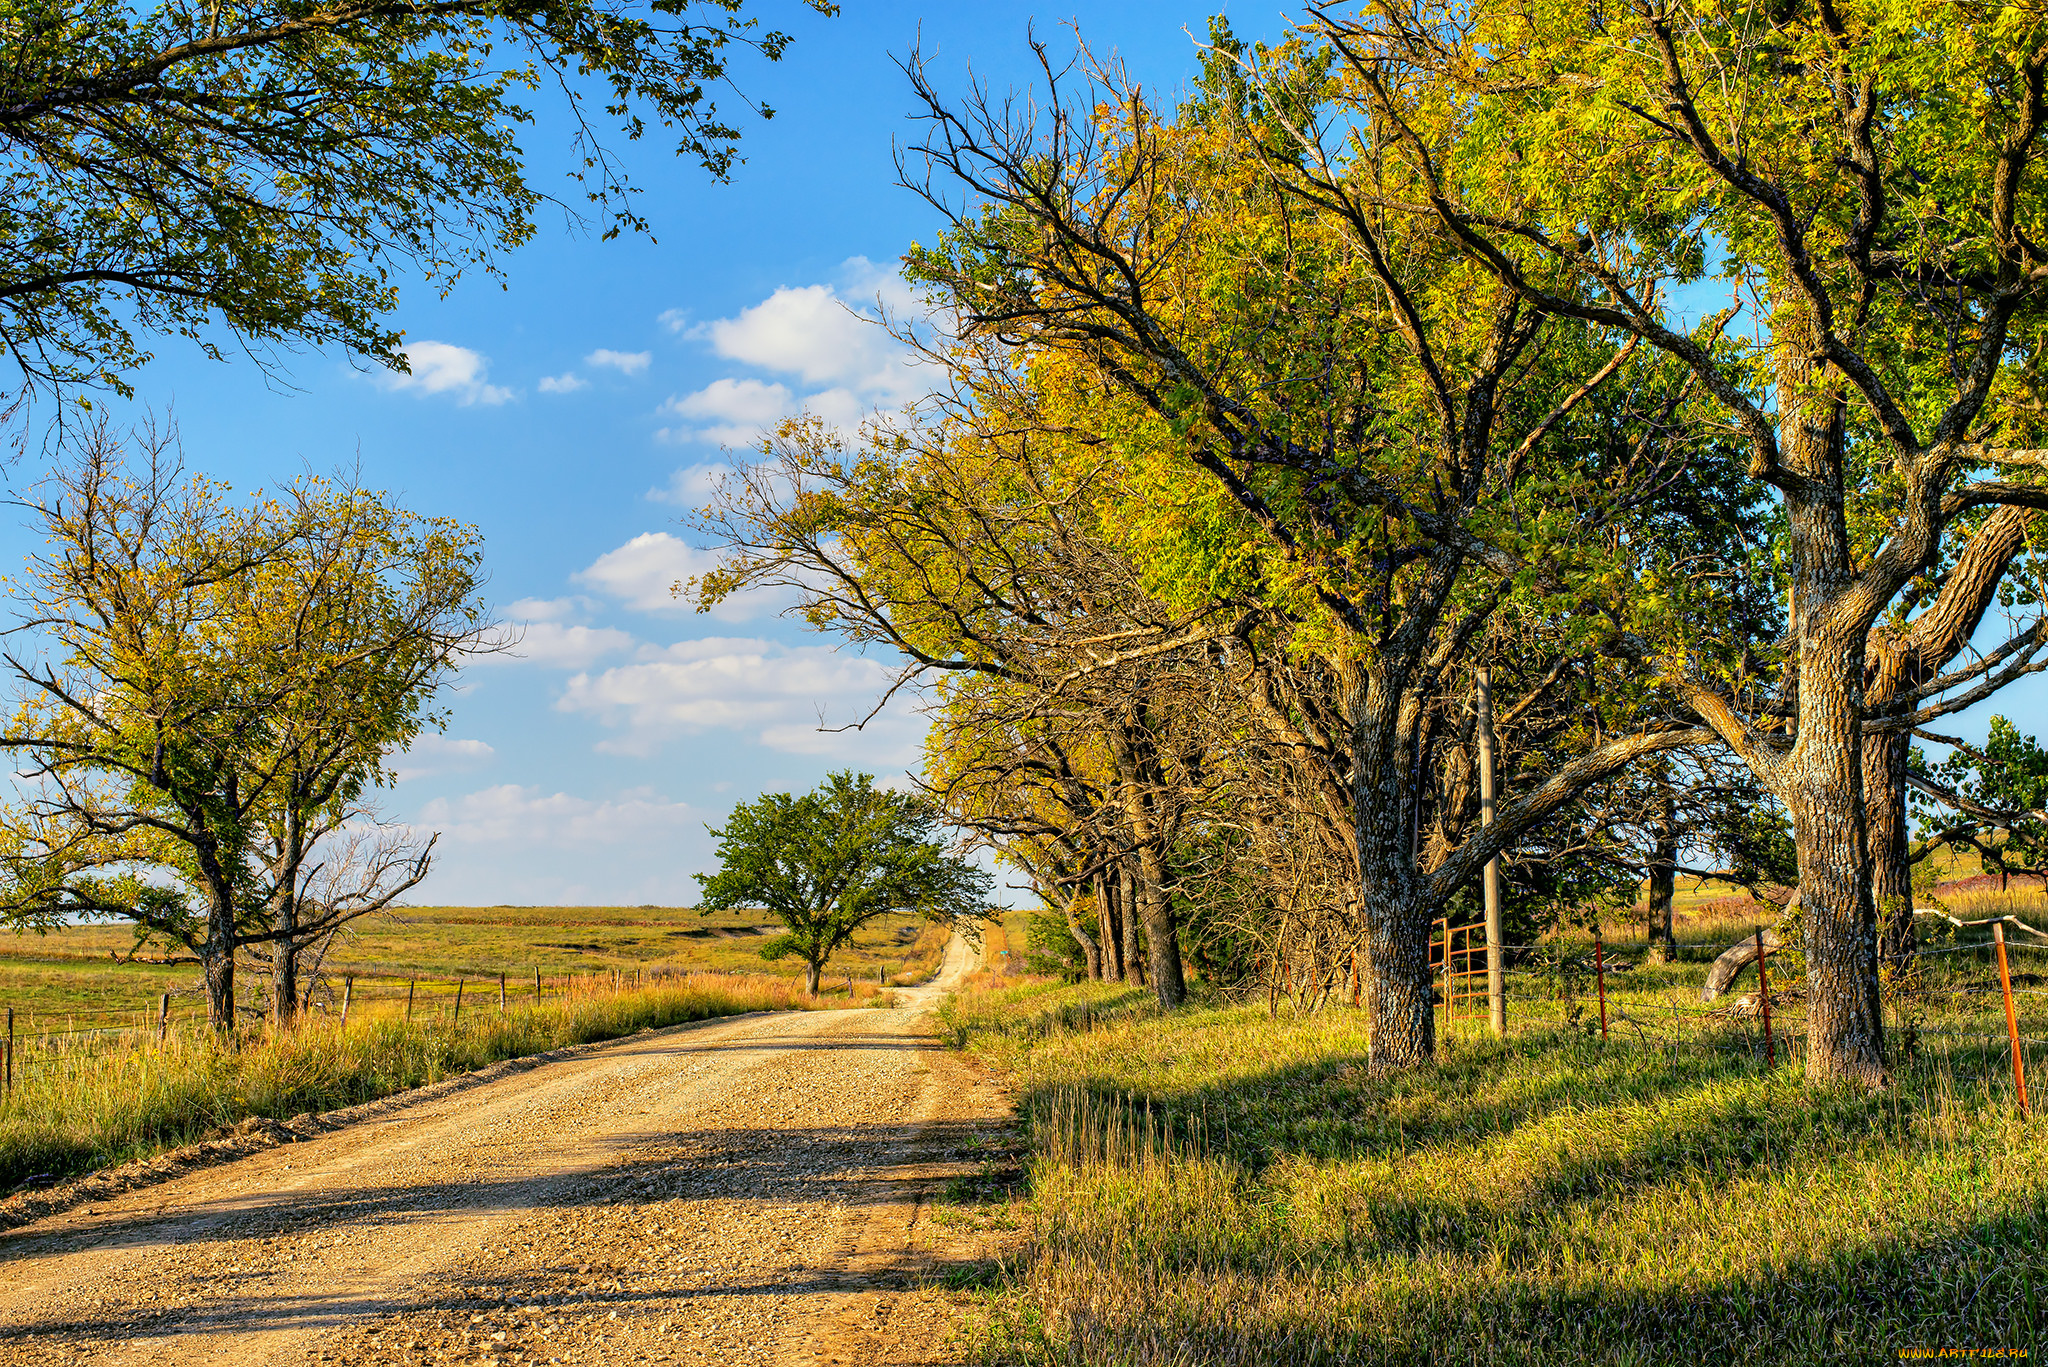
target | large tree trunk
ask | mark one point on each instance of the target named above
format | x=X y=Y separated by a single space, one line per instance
x=1162 y=936
x=811 y=977
x=1823 y=790
x=1401 y=1013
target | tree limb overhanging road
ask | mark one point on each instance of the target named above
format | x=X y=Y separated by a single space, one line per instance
x=746 y=1191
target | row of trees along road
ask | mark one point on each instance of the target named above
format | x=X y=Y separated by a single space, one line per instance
x=207 y=695
x=1272 y=418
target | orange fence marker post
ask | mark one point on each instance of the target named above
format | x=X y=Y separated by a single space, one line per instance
x=2012 y=1022
x=1600 y=980
x=1763 y=996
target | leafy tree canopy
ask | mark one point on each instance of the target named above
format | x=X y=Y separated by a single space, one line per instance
x=827 y=862
x=275 y=166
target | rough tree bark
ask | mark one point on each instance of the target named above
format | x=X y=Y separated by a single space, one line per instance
x=1663 y=868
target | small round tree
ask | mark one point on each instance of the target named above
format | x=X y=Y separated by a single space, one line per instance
x=827 y=862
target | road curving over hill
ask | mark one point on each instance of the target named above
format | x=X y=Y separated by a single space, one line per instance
x=749 y=1191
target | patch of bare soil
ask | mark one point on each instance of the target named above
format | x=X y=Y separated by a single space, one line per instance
x=789 y=1189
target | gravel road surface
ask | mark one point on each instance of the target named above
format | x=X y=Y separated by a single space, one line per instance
x=760 y=1190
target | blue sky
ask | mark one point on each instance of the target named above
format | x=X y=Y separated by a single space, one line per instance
x=572 y=414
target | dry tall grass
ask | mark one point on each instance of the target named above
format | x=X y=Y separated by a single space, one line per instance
x=69 y=1113
x=1225 y=1186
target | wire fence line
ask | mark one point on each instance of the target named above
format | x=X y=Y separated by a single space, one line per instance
x=30 y=1039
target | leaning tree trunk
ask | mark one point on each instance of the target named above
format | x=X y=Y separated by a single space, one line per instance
x=1090 y=951
x=811 y=970
x=1162 y=936
x=1111 y=922
x=1823 y=790
x=1134 y=951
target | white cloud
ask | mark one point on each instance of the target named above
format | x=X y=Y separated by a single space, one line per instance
x=566 y=383
x=561 y=646
x=522 y=816
x=433 y=753
x=827 y=335
x=642 y=573
x=782 y=695
x=444 y=368
x=544 y=631
x=691 y=486
x=625 y=362
x=675 y=320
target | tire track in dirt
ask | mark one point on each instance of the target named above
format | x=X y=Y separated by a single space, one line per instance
x=754 y=1192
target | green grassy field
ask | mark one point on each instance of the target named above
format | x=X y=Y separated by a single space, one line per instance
x=76 y=977
x=1229 y=1185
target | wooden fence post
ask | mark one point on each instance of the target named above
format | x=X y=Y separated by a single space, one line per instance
x=10 y=1049
x=1496 y=956
x=1763 y=996
x=163 y=1018
x=536 y=984
x=1600 y=980
x=410 y=986
x=501 y=994
x=2012 y=1022
x=458 y=1004
x=348 y=994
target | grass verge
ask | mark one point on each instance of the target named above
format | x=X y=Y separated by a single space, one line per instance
x=71 y=1114
x=1221 y=1186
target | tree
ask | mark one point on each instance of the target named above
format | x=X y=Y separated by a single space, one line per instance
x=1868 y=180
x=276 y=166
x=1330 y=420
x=828 y=862
x=214 y=692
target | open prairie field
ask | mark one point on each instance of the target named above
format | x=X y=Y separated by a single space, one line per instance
x=83 y=974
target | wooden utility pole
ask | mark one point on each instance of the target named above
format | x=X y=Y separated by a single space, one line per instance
x=1496 y=956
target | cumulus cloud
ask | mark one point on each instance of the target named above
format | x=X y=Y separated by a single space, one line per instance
x=551 y=632
x=691 y=486
x=444 y=368
x=642 y=573
x=520 y=816
x=566 y=383
x=625 y=362
x=433 y=753
x=781 y=695
x=738 y=411
x=826 y=335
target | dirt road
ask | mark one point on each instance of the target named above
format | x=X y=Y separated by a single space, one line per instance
x=751 y=1191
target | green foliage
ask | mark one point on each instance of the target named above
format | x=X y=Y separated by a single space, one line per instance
x=830 y=861
x=1051 y=950
x=276 y=166
x=2003 y=784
